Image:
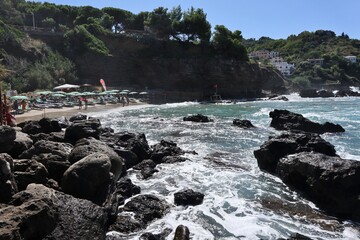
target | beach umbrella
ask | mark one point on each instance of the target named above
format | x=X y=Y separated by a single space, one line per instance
x=43 y=92
x=19 y=98
x=143 y=93
x=133 y=93
x=60 y=92
x=86 y=93
x=66 y=86
x=103 y=93
x=124 y=92
x=58 y=95
x=114 y=90
x=73 y=94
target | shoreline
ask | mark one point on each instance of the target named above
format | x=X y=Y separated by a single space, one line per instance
x=68 y=112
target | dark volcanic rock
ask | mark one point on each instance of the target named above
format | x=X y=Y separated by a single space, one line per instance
x=243 y=123
x=289 y=143
x=55 y=165
x=78 y=117
x=21 y=144
x=309 y=93
x=83 y=129
x=286 y=120
x=198 y=118
x=7 y=138
x=43 y=213
x=182 y=233
x=88 y=178
x=164 y=149
x=147 y=168
x=188 y=197
x=8 y=185
x=126 y=188
x=347 y=93
x=160 y=236
x=325 y=93
x=276 y=97
x=44 y=125
x=87 y=146
x=28 y=171
x=143 y=209
x=53 y=136
x=331 y=182
x=59 y=149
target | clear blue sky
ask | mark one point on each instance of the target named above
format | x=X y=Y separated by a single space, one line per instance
x=256 y=18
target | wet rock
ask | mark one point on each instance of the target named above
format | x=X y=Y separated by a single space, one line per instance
x=243 y=123
x=27 y=171
x=56 y=216
x=130 y=157
x=88 y=178
x=126 y=224
x=298 y=236
x=146 y=167
x=308 y=93
x=182 y=233
x=83 y=129
x=164 y=149
x=44 y=125
x=152 y=236
x=7 y=138
x=85 y=147
x=56 y=148
x=173 y=159
x=126 y=189
x=278 y=98
x=188 y=197
x=22 y=143
x=280 y=146
x=8 y=186
x=325 y=93
x=286 y=120
x=347 y=93
x=55 y=165
x=133 y=142
x=331 y=182
x=78 y=117
x=198 y=118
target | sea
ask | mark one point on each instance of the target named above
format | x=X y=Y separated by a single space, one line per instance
x=241 y=201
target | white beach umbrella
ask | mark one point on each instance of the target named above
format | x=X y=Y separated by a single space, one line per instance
x=66 y=86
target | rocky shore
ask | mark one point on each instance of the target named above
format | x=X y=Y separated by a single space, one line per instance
x=68 y=180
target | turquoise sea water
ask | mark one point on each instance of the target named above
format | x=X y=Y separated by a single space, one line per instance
x=241 y=202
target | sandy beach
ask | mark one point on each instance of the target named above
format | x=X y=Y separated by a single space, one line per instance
x=67 y=112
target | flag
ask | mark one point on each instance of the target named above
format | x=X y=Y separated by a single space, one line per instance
x=103 y=84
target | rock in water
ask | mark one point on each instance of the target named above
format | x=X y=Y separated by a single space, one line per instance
x=198 y=118
x=243 y=123
x=182 y=233
x=188 y=197
x=286 y=120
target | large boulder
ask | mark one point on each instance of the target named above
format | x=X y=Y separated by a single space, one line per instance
x=325 y=93
x=53 y=136
x=56 y=148
x=83 y=129
x=331 y=182
x=22 y=143
x=88 y=178
x=28 y=171
x=188 y=197
x=182 y=233
x=43 y=213
x=198 y=118
x=44 y=125
x=78 y=117
x=164 y=149
x=280 y=146
x=7 y=138
x=87 y=146
x=8 y=186
x=143 y=210
x=308 y=93
x=286 y=120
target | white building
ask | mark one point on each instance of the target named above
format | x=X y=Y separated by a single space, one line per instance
x=264 y=54
x=285 y=68
x=351 y=59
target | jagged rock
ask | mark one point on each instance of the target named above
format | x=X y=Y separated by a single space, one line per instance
x=347 y=93
x=278 y=98
x=83 y=129
x=8 y=186
x=163 y=149
x=88 y=178
x=55 y=165
x=130 y=157
x=53 y=136
x=7 y=138
x=243 y=123
x=160 y=236
x=308 y=93
x=85 y=147
x=182 y=233
x=146 y=167
x=43 y=213
x=325 y=93
x=188 y=197
x=133 y=142
x=298 y=236
x=126 y=224
x=78 y=117
x=198 y=118
x=126 y=189
x=331 y=182
x=43 y=146
x=22 y=143
x=286 y=120
x=280 y=146
x=44 y=125
x=173 y=159
x=28 y=171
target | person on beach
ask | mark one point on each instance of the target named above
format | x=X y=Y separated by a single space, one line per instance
x=23 y=105
x=123 y=101
x=127 y=100
x=85 y=103
x=16 y=106
x=80 y=103
x=10 y=119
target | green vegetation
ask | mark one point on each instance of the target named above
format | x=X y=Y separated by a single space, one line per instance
x=320 y=44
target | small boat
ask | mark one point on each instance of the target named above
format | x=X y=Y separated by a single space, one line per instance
x=216 y=98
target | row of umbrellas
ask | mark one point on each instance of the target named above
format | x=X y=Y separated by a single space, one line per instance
x=74 y=94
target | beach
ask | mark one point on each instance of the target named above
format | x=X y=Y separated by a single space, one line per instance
x=37 y=114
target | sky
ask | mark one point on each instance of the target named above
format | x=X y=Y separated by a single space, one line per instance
x=256 y=18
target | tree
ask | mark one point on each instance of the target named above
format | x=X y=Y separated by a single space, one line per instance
x=228 y=43
x=87 y=12
x=158 y=22
x=195 y=26
x=121 y=18
x=137 y=21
